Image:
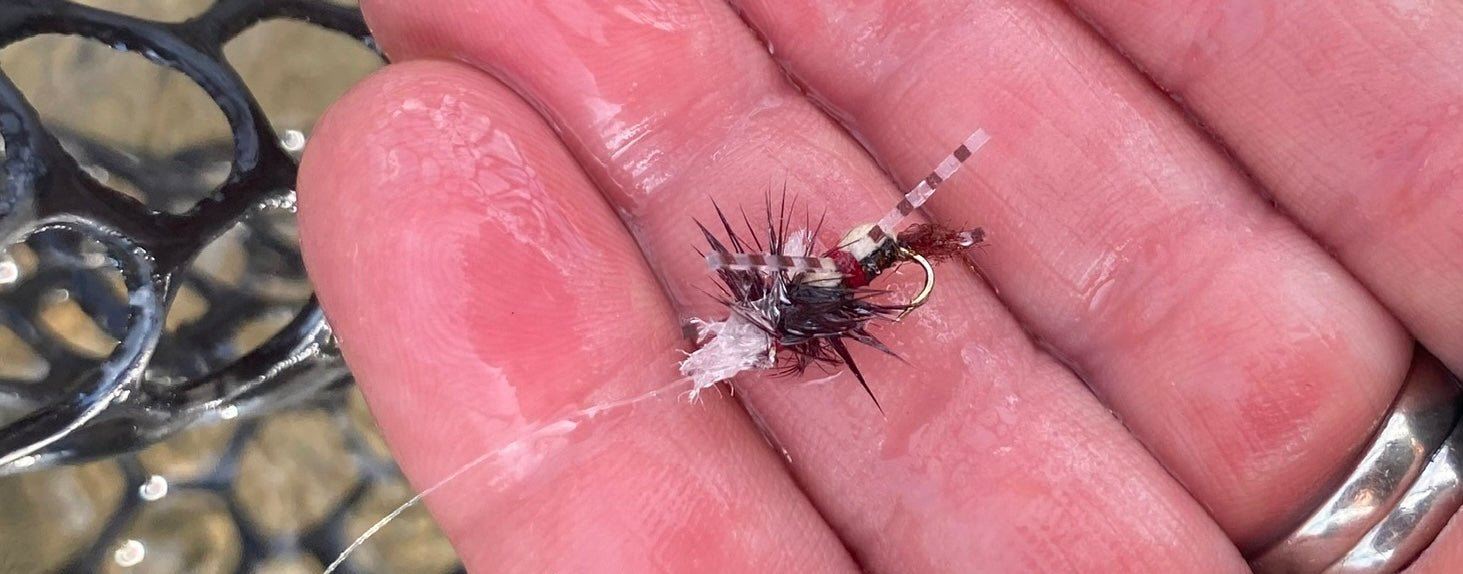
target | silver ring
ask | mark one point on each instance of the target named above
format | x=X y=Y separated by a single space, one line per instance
x=1406 y=486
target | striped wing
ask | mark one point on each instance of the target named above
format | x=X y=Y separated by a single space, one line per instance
x=767 y=262
x=927 y=186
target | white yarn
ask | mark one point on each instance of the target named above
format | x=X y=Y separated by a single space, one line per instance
x=727 y=348
x=736 y=344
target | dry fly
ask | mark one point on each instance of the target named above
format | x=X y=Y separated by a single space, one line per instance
x=790 y=308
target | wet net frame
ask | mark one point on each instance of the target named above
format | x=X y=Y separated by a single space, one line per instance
x=121 y=406
x=144 y=392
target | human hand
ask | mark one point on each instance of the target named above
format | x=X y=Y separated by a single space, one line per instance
x=489 y=276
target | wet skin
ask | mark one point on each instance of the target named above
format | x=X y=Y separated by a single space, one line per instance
x=1160 y=366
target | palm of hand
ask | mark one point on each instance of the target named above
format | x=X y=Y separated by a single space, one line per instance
x=490 y=275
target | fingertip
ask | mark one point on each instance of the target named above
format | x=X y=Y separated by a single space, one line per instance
x=439 y=216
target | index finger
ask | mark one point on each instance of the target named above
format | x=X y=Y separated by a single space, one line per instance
x=493 y=309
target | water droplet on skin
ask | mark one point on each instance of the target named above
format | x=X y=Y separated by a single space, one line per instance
x=1099 y=296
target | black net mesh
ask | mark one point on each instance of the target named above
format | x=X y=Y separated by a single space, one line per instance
x=171 y=398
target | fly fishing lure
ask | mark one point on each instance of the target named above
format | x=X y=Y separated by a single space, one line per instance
x=790 y=309
x=787 y=306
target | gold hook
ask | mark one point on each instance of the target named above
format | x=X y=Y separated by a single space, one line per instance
x=924 y=294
